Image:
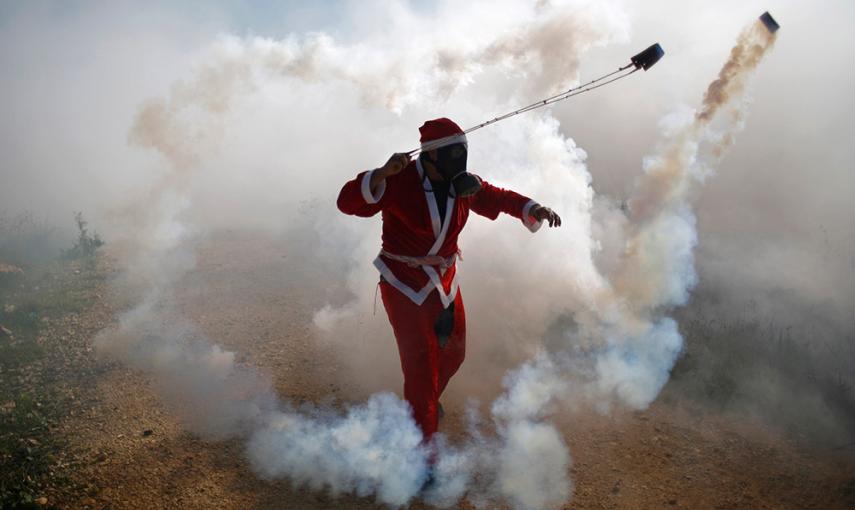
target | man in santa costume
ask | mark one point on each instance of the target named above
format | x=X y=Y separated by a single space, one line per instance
x=425 y=204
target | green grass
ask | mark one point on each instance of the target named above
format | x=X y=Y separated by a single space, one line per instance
x=27 y=447
x=31 y=401
x=23 y=322
x=24 y=309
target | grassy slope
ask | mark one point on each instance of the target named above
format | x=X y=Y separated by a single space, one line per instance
x=33 y=399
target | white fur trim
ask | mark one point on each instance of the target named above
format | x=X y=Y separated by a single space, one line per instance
x=433 y=209
x=439 y=230
x=446 y=299
x=420 y=168
x=533 y=226
x=416 y=297
x=449 y=208
x=442 y=142
x=366 y=188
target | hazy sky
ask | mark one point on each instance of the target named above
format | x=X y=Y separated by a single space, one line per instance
x=75 y=73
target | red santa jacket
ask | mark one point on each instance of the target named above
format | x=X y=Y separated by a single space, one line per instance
x=412 y=226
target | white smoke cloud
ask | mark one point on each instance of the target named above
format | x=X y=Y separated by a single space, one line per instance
x=373 y=448
x=263 y=125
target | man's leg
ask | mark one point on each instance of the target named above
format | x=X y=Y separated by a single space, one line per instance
x=452 y=354
x=413 y=326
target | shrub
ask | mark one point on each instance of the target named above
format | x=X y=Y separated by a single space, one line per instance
x=86 y=244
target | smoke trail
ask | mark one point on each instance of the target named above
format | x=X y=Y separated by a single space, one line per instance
x=655 y=272
x=668 y=174
x=752 y=45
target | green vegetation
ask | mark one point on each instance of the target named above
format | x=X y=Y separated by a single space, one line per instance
x=86 y=244
x=28 y=449
x=37 y=292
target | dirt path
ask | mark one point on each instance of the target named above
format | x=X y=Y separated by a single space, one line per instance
x=138 y=456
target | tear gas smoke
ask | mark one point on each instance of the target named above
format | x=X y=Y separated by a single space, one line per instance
x=372 y=448
x=621 y=345
x=656 y=269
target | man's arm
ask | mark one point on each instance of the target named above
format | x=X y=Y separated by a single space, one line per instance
x=364 y=195
x=492 y=200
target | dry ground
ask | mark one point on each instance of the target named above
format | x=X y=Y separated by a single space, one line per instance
x=135 y=455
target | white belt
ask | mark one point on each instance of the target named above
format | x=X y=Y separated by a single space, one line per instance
x=427 y=260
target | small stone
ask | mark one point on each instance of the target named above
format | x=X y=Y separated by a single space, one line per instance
x=9 y=268
x=42 y=501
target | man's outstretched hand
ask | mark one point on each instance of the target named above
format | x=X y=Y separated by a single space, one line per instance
x=541 y=213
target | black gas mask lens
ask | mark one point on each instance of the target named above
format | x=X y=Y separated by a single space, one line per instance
x=451 y=164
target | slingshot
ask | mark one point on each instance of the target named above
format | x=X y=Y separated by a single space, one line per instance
x=643 y=60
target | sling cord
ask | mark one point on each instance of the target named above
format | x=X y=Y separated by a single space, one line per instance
x=544 y=102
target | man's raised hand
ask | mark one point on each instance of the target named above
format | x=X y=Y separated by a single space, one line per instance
x=396 y=163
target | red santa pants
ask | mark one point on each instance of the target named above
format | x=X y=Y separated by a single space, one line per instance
x=427 y=365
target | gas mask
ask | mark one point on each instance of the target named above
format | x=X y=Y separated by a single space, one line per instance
x=451 y=164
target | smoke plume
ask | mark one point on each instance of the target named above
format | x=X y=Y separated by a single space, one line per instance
x=655 y=271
